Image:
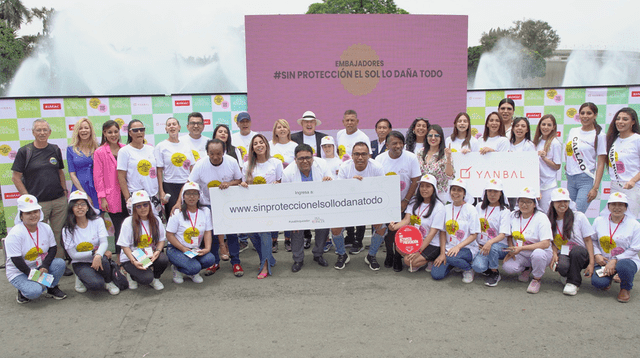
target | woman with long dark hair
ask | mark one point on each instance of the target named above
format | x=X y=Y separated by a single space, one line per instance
x=436 y=160
x=417 y=134
x=586 y=157
x=507 y=108
x=521 y=136
x=85 y=238
x=573 y=249
x=493 y=138
x=143 y=230
x=461 y=139
x=222 y=132
x=550 y=154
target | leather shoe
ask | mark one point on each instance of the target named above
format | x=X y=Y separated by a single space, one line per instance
x=388 y=261
x=624 y=296
x=297 y=266
x=321 y=261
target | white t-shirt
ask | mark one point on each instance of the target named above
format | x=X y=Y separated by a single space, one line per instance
x=140 y=165
x=536 y=228
x=176 y=160
x=319 y=170
x=188 y=235
x=348 y=170
x=198 y=146
x=126 y=236
x=207 y=175
x=524 y=146
x=467 y=221
x=284 y=152
x=548 y=175
x=242 y=142
x=581 y=228
x=406 y=166
x=456 y=144
x=498 y=221
x=625 y=153
x=418 y=147
x=19 y=243
x=265 y=173
x=435 y=220
x=333 y=165
x=346 y=141
x=580 y=150
x=83 y=241
x=497 y=143
x=311 y=141
x=625 y=242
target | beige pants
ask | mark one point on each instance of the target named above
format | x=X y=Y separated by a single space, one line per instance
x=55 y=213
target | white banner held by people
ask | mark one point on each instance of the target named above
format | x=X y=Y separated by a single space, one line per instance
x=308 y=205
x=517 y=170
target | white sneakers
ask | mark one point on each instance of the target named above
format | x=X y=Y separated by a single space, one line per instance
x=112 y=288
x=177 y=275
x=467 y=276
x=157 y=285
x=570 y=289
x=80 y=288
x=196 y=278
x=132 y=284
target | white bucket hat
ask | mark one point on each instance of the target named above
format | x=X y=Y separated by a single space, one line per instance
x=560 y=194
x=328 y=140
x=459 y=183
x=494 y=184
x=618 y=197
x=190 y=186
x=309 y=116
x=528 y=193
x=428 y=178
x=27 y=203
x=77 y=195
x=139 y=196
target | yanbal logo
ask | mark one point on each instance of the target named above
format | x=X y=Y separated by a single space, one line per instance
x=534 y=115
x=515 y=96
x=182 y=103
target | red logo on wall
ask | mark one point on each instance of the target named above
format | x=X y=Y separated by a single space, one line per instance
x=8 y=196
x=182 y=103
x=71 y=126
x=207 y=122
x=558 y=134
x=51 y=106
x=515 y=97
x=534 y=115
x=635 y=93
x=607 y=190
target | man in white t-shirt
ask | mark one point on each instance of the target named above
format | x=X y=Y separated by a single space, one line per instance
x=359 y=167
x=306 y=169
x=195 y=126
x=242 y=139
x=219 y=171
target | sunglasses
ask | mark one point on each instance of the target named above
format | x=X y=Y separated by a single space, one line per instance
x=433 y=135
x=138 y=130
x=141 y=205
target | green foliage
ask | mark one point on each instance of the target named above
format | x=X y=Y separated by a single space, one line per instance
x=11 y=51
x=473 y=59
x=490 y=39
x=3 y=223
x=355 y=7
x=535 y=35
x=14 y=13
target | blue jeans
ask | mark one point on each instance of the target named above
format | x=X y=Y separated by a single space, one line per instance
x=186 y=265
x=262 y=242
x=92 y=279
x=462 y=261
x=287 y=235
x=242 y=238
x=626 y=270
x=579 y=186
x=31 y=289
x=338 y=240
x=234 y=248
x=482 y=263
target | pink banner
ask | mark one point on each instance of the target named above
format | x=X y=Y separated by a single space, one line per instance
x=394 y=66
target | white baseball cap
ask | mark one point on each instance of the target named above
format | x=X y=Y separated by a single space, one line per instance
x=560 y=194
x=190 y=186
x=77 y=195
x=428 y=178
x=618 y=197
x=140 y=196
x=528 y=193
x=459 y=183
x=309 y=116
x=27 y=203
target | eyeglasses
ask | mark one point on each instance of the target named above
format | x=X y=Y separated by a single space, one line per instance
x=192 y=193
x=304 y=159
x=138 y=130
x=525 y=202
x=141 y=205
x=196 y=123
x=433 y=135
x=363 y=154
x=80 y=204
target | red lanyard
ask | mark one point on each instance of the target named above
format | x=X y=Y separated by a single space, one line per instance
x=37 y=241
x=423 y=211
x=558 y=228
x=145 y=229
x=452 y=209
x=485 y=212
x=193 y=223
x=614 y=231
x=525 y=227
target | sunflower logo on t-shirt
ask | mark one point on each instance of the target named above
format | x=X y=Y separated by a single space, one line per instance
x=84 y=247
x=259 y=180
x=143 y=167
x=213 y=184
x=32 y=254
x=177 y=159
x=145 y=241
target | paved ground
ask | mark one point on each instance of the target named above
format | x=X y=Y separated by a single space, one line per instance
x=323 y=312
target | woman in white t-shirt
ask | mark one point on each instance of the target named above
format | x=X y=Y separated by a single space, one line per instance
x=623 y=156
x=29 y=246
x=330 y=155
x=493 y=139
x=494 y=215
x=530 y=241
x=283 y=147
x=137 y=166
x=550 y=154
x=84 y=236
x=260 y=168
x=189 y=236
x=426 y=212
x=585 y=157
x=144 y=235
x=618 y=239
x=462 y=227
x=507 y=108
x=174 y=160
x=461 y=139
x=573 y=249
x=417 y=135
x=520 y=140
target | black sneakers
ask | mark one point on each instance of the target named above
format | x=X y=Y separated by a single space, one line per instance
x=21 y=299
x=493 y=279
x=56 y=292
x=342 y=261
x=356 y=248
x=372 y=262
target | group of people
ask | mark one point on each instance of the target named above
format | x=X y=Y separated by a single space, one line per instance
x=142 y=187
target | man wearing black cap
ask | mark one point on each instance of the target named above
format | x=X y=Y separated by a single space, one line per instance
x=308 y=135
x=242 y=139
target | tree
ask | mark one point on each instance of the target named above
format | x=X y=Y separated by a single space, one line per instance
x=489 y=40
x=45 y=15
x=473 y=59
x=355 y=7
x=11 y=52
x=537 y=36
x=14 y=13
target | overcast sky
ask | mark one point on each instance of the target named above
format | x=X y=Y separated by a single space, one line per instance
x=592 y=24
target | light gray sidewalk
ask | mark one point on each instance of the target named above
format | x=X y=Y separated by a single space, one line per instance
x=323 y=312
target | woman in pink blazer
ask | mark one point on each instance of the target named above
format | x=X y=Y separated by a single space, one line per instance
x=105 y=177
